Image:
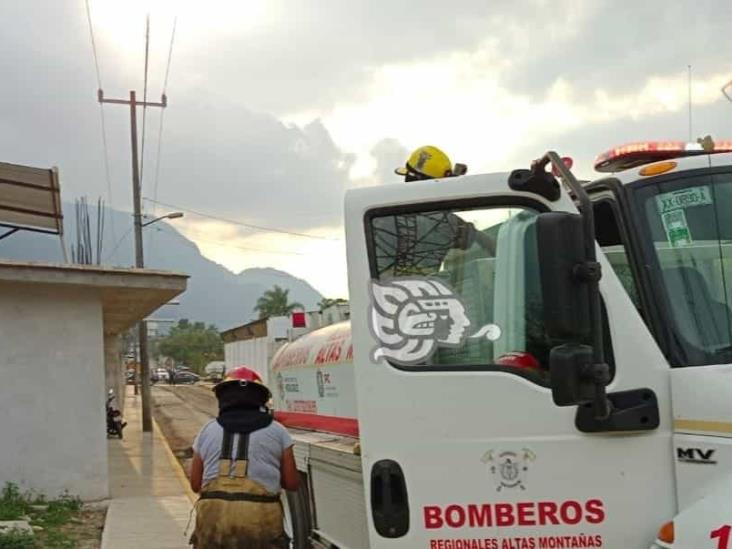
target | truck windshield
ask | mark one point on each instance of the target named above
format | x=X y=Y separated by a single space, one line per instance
x=688 y=230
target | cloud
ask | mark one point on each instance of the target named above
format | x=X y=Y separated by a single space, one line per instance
x=315 y=55
x=217 y=156
x=290 y=56
x=388 y=154
x=617 y=45
x=585 y=143
x=322 y=262
x=252 y=166
x=478 y=120
x=278 y=106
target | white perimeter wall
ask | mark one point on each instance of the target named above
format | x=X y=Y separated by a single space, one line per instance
x=255 y=353
x=52 y=390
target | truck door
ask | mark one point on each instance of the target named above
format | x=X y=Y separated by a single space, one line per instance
x=463 y=446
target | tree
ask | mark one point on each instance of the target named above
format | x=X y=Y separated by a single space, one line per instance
x=193 y=344
x=275 y=302
x=328 y=302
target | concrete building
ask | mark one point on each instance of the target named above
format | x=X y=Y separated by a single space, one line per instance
x=337 y=312
x=59 y=354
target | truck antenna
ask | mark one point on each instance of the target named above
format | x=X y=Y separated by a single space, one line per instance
x=690 y=132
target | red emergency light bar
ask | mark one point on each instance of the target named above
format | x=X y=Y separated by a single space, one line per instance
x=644 y=152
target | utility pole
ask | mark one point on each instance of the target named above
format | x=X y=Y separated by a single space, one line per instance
x=139 y=258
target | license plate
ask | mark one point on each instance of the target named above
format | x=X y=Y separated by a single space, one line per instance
x=685 y=198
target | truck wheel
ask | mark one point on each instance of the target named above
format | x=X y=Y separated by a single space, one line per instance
x=297 y=516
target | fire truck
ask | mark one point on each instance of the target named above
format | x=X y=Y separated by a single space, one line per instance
x=531 y=362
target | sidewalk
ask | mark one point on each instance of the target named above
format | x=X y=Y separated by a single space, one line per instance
x=150 y=504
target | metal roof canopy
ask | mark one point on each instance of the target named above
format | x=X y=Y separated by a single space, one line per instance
x=30 y=200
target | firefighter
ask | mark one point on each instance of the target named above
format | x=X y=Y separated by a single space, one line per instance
x=241 y=460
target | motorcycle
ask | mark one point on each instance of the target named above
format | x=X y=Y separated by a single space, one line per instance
x=115 y=424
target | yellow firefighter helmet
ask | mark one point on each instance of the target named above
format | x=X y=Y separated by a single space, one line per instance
x=426 y=162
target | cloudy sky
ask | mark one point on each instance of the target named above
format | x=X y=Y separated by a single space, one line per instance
x=276 y=107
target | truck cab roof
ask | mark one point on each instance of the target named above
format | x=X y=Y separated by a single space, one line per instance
x=686 y=163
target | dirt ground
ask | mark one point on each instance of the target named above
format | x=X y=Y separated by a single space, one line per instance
x=181 y=411
x=86 y=528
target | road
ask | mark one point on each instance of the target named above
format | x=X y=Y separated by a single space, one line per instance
x=181 y=411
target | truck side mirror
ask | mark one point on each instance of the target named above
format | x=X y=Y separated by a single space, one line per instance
x=568 y=369
x=566 y=295
x=569 y=275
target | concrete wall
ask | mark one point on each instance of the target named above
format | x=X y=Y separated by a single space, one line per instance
x=52 y=390
x=114 y=369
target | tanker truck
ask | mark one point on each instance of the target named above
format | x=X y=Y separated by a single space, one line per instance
x=561 y=380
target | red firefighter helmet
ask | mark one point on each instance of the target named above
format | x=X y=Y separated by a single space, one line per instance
x=242 y=376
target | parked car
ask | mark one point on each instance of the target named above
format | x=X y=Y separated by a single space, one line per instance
x=160 y=374
x=186 y=377
x=215 y=370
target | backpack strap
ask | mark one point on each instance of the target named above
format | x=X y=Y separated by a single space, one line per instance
x=227 y=445
x=241 y=463
x=237 y=462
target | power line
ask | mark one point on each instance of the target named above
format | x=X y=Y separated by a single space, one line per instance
x=247 y=225
x=158 y=156
x=229 y=245
x=157 y=170
x=144 y=100
x=94 y=45
x=121 y=239
x=170 y=55
x=173 y=233
x=107 y=171
x=162 y=114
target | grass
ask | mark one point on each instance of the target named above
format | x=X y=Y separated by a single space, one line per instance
x=15 y=505
x=17 y=540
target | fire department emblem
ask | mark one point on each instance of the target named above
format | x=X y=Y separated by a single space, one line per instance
x=412 y=317
x=509 y=469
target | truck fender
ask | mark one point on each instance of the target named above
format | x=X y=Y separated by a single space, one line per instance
x=707 y=522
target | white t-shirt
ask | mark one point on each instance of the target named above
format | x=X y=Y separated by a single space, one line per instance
x=266 y=447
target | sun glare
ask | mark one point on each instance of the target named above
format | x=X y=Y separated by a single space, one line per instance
x=121 y=25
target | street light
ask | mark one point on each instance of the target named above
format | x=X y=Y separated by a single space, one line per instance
x=142 y=325
x=172 y=215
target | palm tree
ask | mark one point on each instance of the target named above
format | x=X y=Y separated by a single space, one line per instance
x=274 y=302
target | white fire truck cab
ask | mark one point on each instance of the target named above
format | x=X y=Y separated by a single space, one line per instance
x=536 y=364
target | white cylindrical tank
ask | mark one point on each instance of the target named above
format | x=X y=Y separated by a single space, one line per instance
x=312 y=381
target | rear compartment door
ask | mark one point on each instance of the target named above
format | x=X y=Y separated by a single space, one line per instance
x=462 y=444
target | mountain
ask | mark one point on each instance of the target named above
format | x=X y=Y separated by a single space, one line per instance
x=215 y=295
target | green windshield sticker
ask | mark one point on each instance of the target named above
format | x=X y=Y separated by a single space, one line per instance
x=686 y=198
x=677 y=230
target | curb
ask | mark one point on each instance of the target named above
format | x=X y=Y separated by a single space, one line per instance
x=177 y=467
